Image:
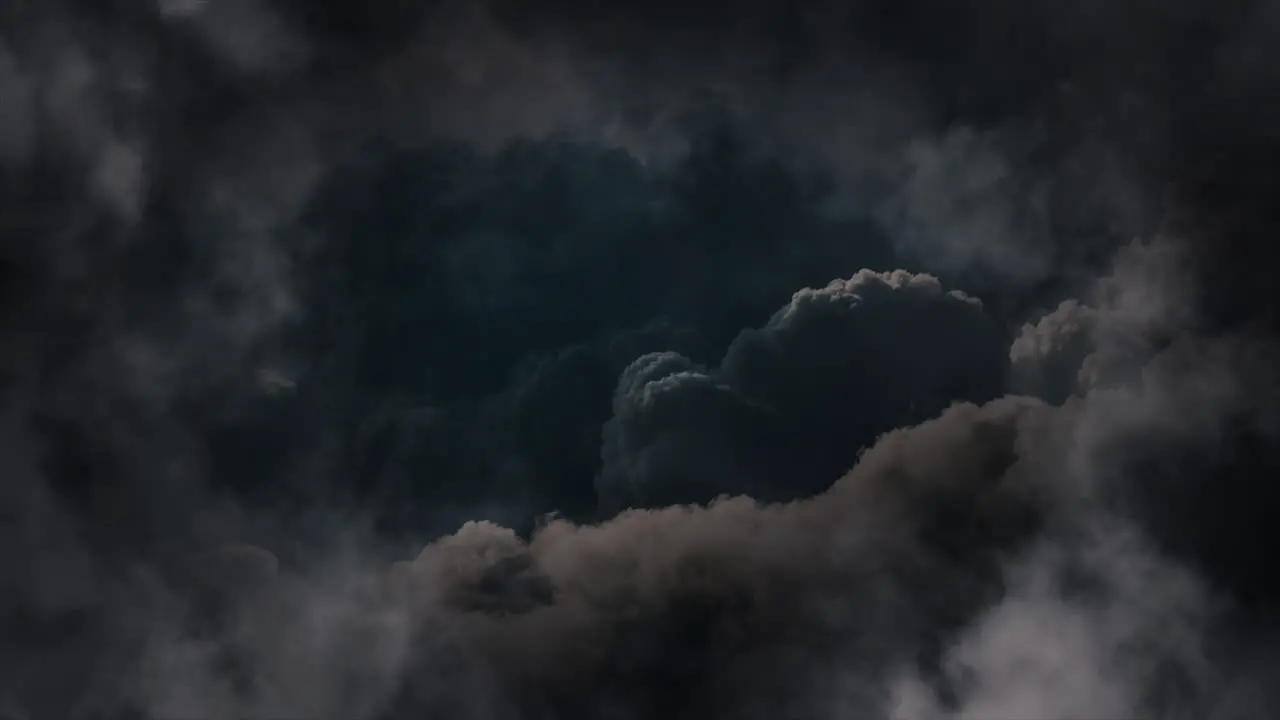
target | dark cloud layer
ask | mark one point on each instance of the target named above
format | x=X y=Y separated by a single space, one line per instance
x=984 y=563
x=398 y=359
x=792 y=403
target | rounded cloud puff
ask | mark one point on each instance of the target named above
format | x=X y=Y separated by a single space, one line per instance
x=792 y=403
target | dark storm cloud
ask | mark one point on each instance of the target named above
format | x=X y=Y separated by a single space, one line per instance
x=532 y=447
x=506 y=291
x=792 y=403
x=972 y=566
x=647 y=584
x=1013 y=559
x=190 y=376
x=787 y=409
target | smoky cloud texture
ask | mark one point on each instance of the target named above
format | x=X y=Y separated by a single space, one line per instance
x=906 y=360
x=981 y=564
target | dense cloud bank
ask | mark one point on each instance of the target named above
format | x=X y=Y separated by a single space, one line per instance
x=438 y=359
x=1099 y=557
x=996 y=561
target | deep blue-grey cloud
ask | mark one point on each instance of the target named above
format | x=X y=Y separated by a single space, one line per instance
x=792 y=403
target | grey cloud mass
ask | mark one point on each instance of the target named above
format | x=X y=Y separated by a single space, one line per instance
x=910 y=360
x=971 y=566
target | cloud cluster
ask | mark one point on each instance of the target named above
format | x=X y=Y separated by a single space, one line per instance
x=976 y=565
x=283 y=412
x=452 y=282
x=999 y=558
x=792 y=403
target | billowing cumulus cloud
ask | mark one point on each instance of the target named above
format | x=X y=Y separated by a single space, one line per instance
x=791 y=403
x=974 y=565
x=1145 y=300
